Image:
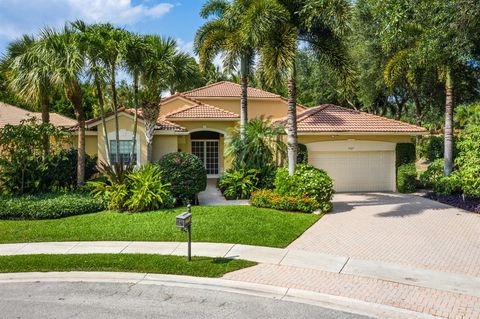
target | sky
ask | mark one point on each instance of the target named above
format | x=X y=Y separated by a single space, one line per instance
x=176 y=18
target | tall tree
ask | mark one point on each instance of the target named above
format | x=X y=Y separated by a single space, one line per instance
x=224 y=35
x=63 y=51
x=278 y=27
x=29 y=77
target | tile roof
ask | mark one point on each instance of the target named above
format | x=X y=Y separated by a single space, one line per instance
x=332 y=118
x=227 y=89
x=203 y=111
x=162 y=124
x=13 y=115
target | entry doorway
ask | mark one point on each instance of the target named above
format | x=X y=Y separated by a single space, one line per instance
x=205 y=145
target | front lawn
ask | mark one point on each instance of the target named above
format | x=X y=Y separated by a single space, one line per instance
x=222 y=224
x=175 y=265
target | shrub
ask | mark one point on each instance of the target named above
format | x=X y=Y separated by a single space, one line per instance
x=302 y=156
x=406 y=178
x=448 y=185
x=269 y=199
x=185 y=174
x=468 y=160
x=431 y=147
x=238 y=184
x=432 y=174
x=405 y=153
x=134 y=191
x=48 y=206
x=308 y=181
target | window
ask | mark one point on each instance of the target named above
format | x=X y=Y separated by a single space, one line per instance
x=125 y=151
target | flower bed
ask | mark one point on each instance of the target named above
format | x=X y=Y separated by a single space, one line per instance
x=466 y=203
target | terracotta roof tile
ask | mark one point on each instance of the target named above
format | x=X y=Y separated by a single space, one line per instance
x=162 y=124
x=332 y=118
x=201 y=110
x=227 y=89
x=13 y=115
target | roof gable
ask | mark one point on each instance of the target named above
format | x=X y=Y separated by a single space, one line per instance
x=13 y=115
x=226 y=89
x=201 y=111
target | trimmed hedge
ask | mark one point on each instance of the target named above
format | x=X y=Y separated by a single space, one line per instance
x=406 y=178
x=266 y=198
x=405 y=153
x=449 y=185
x=48 y=206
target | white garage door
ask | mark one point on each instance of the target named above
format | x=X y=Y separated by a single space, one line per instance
x=357 y=169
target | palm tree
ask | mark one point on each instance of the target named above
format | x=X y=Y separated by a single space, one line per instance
x=154 y=74
x=63 y=51
x=91 y=41
x=224 y=35
x=28 y=76
x=279 y=26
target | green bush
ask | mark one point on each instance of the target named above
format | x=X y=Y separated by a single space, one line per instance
x=48 y=206
x=434 y=172
x=468 y=160
x=185 y=174
x=134 y=191
x=308 y=181
x=405 y=153
x=302 y=156
x=406 y=178
x=238 y=184
x=448 y=185
x=269 y=199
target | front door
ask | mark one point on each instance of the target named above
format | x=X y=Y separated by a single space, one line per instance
x=207 y=151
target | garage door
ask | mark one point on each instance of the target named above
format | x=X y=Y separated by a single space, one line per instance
x=357 y=169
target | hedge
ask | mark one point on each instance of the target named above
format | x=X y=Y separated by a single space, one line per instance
x=406 y=178
x=266 y=198
x=405 y=153
x=48 y=206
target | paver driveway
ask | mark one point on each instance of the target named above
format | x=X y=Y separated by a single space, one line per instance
x=398 y=228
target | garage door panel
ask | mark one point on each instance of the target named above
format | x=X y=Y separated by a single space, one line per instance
x=358 y=171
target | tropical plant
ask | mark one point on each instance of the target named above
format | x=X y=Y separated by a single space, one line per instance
x=449 y=185
x=266 y=198
x=277 y=27
x=186 y=175
x=261 y=149
x=238 y=184
x=132 y=190
x=468 y=160
x=433 y=173
x=224 y=35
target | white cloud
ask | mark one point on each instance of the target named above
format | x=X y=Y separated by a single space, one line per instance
x=185 y=46
x=17 y=17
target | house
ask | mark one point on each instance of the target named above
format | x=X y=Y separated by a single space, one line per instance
x=13 y=115
x=357 y=149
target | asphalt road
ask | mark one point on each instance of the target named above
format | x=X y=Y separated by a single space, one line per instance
x=111 y=300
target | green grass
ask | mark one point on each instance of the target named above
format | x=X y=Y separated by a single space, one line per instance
x=175 y=265
x=222 y=224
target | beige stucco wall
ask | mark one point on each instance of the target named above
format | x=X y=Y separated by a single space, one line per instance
x=173 y=105
x=164 y=144
x=304 y=139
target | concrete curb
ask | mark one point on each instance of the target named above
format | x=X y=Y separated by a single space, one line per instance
x=281 y=293
x=452 y=282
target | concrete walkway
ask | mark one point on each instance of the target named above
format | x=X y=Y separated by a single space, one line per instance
x=213 y=197
x=456 y=283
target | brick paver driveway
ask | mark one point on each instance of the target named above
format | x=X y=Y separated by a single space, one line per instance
x=397 y=228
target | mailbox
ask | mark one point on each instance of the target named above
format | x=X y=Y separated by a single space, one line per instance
x=184 y=220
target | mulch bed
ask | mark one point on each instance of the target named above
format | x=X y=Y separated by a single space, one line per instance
x=467 y=203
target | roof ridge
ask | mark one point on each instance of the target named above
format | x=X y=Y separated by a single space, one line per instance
x=199 y=104
x=203 y=87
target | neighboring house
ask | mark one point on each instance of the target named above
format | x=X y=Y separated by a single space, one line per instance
x=13 y=115
x=357 y=149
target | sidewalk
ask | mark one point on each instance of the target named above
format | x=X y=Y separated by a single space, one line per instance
x=211 y=196
x=443 y=294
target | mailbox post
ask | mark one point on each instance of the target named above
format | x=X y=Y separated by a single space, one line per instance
x=184 y=222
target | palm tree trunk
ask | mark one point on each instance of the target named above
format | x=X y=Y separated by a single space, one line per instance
x=244 y=97
x=45 y=105
x=115 y=110
x=102 y=116
x=449 y=104
x=74 y=95
x=135 y=119
x=292 y=142
x=150 y=115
